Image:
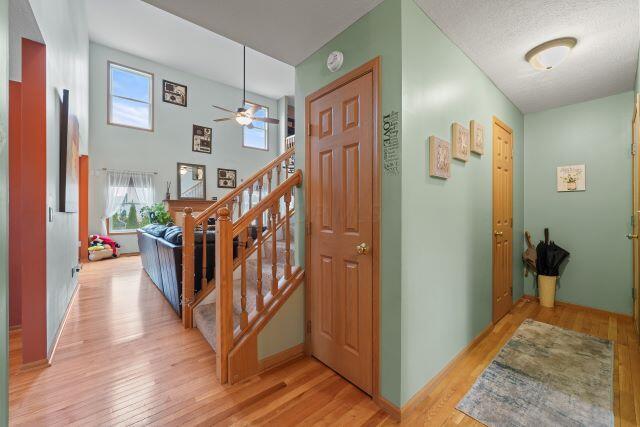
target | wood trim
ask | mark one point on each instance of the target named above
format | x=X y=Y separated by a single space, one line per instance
x=530 y=298
x=373 y=66
x=128 y=254
x=425 y=391
x=54 y=347
x=110 y=232
x=389 y=408
x=38 y=364
x=502 y=124
x=282 y=357
x=83 y=208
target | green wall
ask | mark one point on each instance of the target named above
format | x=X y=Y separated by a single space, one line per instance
x=4 y=208
x=375 y=34
x=446 y=225
x=590 y=224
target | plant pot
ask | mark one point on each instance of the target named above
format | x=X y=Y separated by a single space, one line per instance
x=547 y=290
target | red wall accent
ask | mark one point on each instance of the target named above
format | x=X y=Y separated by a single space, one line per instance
x=15 y=142
x=83 y=208
x=34 y=213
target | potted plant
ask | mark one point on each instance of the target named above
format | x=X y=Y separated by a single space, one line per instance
x=155 y=214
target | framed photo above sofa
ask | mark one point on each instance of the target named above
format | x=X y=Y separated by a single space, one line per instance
x=227 y=178
x=174 y=93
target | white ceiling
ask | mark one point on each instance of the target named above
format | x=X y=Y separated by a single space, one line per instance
x=289 y=30
x=146 y=31
x=22 y=24
x=496 y=35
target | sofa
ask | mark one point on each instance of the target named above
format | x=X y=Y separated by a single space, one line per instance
x=161 y=254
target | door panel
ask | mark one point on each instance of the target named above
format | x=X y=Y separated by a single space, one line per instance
x=340 y=195
x=502 y=220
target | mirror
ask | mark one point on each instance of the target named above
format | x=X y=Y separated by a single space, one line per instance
x=192 y=181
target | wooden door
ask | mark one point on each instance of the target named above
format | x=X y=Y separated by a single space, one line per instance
x=635 y=214
x=340 y=210
x=502 y=219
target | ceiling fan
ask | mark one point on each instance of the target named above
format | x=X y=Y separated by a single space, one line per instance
x=245 y=116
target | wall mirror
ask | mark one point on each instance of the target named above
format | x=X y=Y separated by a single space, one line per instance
x=192 y=181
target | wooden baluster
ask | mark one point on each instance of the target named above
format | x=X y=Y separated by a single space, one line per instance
x=224 y=293
x=269 y=182
x=274 y=255
x=230 y=206
x=251 y=196
x=187 y=268
x=242 y=247
x=287 y=236
x=240 y=204
x=260 y=185
x=259 y=297
x=205 y=226
x=279 y=172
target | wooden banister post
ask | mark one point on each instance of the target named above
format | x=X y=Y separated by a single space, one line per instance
x=224 y=293
x=287 y=235
x=188 y=267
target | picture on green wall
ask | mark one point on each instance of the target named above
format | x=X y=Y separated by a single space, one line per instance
x=571 y=178
x=477 y=137
x=439 y=158
x=460 y=141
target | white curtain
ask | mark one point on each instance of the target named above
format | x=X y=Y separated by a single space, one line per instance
x=118 y=183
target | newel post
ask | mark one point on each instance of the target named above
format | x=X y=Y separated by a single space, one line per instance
x=224 y=293
x=187 y=268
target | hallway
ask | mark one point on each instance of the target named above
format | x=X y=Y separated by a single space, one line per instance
x=124 y=358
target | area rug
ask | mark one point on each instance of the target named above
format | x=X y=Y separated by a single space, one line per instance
x=545 y=376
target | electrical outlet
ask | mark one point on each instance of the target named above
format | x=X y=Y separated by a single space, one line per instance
x=50 y=214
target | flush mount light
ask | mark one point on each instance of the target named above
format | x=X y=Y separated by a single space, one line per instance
x=550 y=54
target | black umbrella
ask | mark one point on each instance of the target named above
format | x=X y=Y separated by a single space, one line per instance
x=549 y=256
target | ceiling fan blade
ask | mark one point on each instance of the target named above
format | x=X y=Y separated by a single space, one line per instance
x=223 y=109
x=223 y=119
x=252 y=110
x=266 y=120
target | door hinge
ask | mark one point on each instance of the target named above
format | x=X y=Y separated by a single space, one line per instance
x=308 y=326
x=633 y=294
x=634 y=149
x=309 y=129
x=309 y=229
x=511 y=222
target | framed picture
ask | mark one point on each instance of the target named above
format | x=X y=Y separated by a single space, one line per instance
x=571 y=178
x=227 y=178
x=460 y=141
x=477 y=137
x=202 y=139
x=439 y=158
x=174 y=93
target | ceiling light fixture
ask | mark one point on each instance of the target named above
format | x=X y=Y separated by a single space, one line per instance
x=550 y=54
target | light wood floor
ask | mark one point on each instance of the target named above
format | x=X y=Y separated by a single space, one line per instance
x=125 y=359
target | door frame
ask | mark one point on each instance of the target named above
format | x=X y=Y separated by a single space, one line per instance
x=373 y=66
x=496 y=121
x=635 y=184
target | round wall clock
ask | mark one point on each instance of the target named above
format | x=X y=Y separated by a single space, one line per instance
x=334 y=61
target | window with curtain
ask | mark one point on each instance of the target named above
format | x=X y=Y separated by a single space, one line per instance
x=130 y=97
x=127 y=194
x=256 y=136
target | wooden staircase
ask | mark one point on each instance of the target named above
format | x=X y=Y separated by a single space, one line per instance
x=254 y=270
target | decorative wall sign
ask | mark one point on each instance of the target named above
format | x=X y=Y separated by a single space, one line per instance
x=460 y=141
x=227 y=178
x=439 y=158
x=477 y=137
x=202 y=139
x=390 y=143
x=571 y=178
x=335 y=60
x=174 y=93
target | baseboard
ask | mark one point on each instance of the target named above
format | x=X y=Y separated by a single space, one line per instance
x=38 y=364
x=388 y=407
x=128 y=254
x=423 y=393
x=15 y=328
x=583 y=307
x=54 y=347
x=282 y=357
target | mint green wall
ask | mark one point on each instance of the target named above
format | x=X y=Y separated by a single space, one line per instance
x=590 y=224
x=375 y=34
x=446 y=225
x=4 y=208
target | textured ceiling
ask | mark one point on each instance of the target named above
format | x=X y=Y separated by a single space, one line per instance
x=146 y=31
x=496 y=35
x=289 y=30
x=22 y=24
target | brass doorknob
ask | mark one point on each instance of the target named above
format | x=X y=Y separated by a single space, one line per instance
x=362 y=248
x=632 y=236
x=498 y=233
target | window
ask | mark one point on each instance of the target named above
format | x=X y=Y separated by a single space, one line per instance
x=128 y=193
x=130 y=97
x=256 y=136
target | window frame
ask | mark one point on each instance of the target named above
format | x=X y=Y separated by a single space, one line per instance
x=266 y=129
x=111 y=231
x=110 y=96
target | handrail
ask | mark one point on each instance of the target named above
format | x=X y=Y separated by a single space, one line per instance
x=211 y=210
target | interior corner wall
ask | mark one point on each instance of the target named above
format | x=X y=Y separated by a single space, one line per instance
x=63 y=25
x=15 y=220
x=375 y=34
x=590 y=224
x=447 y=224
x=4 y=211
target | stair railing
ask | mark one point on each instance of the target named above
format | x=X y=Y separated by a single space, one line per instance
x=239 y=201
x=269 y=220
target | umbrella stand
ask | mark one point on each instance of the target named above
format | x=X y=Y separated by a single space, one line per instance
x=549 y=258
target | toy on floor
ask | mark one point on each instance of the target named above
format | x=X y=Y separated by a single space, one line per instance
x=101 y=247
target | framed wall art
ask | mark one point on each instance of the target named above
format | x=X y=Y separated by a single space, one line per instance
x=227 y=178
x=202 y=139
x=477 y=137
x=571 y=178
x=174 y=93
x=460 y=142
x=439 y=158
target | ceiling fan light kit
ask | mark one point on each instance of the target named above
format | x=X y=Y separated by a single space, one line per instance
x=549 y=55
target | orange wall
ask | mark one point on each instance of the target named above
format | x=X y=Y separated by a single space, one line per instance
x=15 y=114
x=33 y=202
x=83 y=208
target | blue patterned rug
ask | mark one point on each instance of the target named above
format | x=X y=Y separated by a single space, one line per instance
x=545 y=376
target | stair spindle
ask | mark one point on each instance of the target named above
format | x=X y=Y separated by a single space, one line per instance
x=259 y=297
x=242 y=246
x=205 y=226
x=274 y=254
x=287 y=235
